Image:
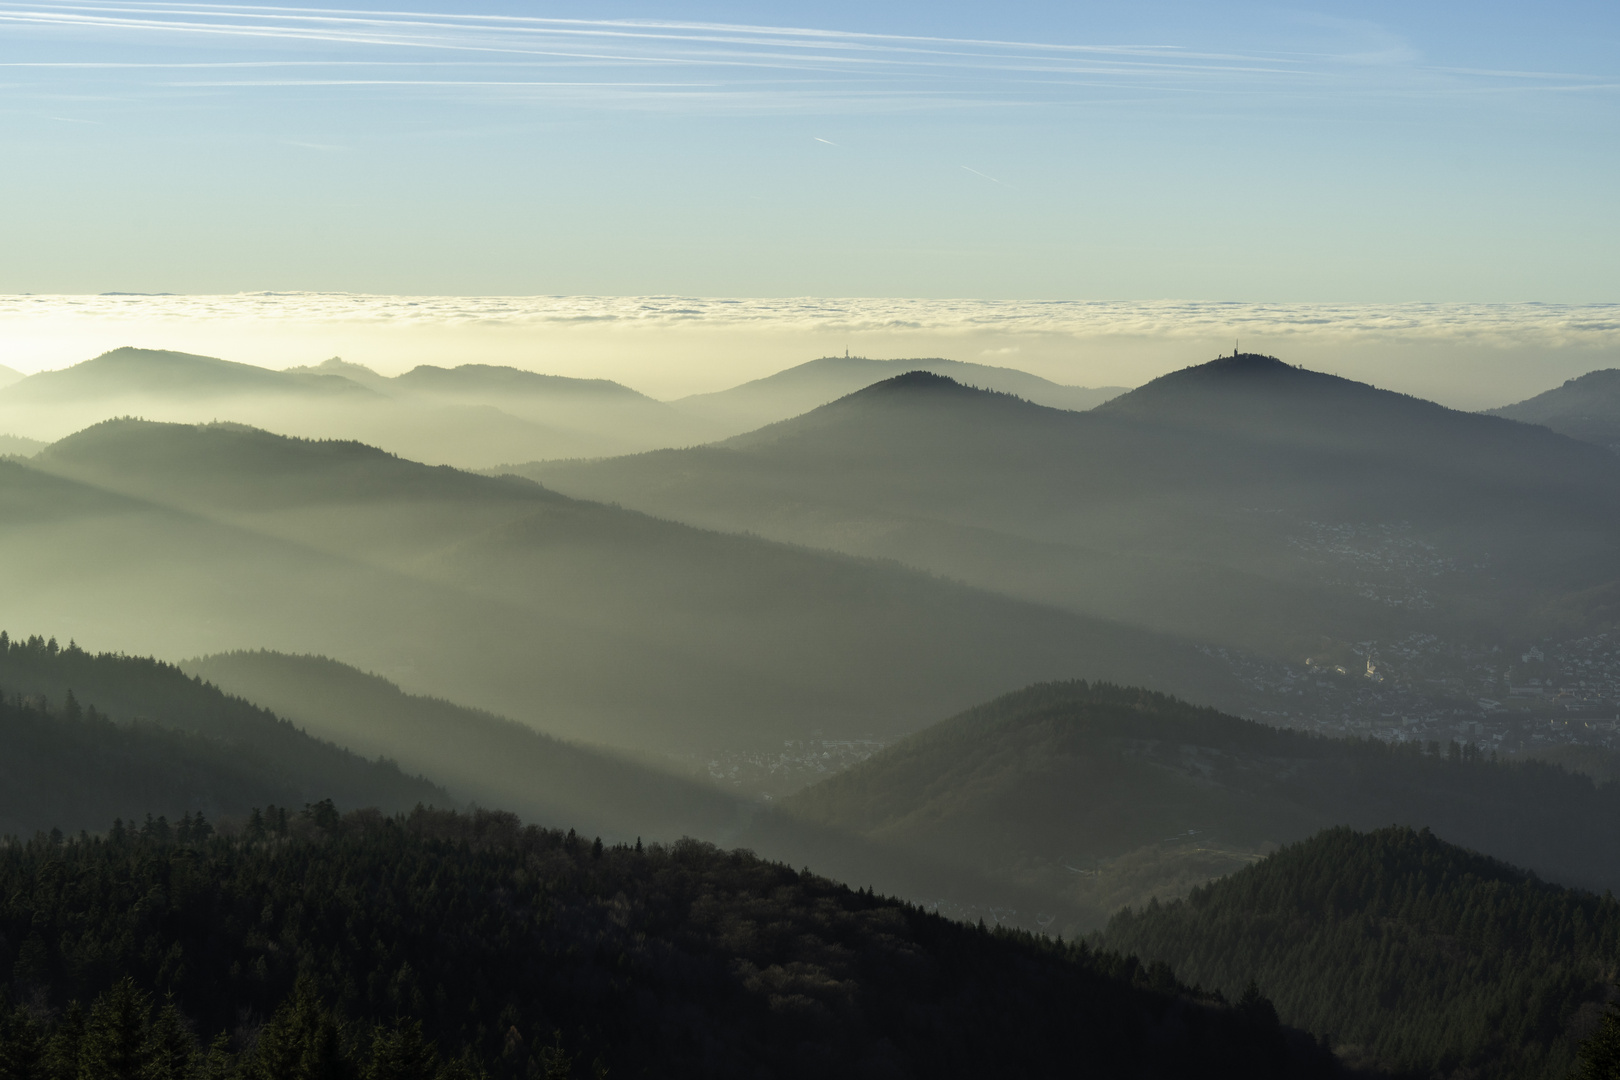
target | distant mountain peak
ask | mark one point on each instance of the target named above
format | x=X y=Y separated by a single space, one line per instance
x=129 y=370
x=1247 y=363
x=1244 y=380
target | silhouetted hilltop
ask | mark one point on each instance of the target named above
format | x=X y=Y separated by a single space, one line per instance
x=1196 y=504
x=1587 y=408
x=91 y=737
x=10 y=375
x=1417 y=955
x=804 y=387
x=528 y=953
x=135 y=372
x=1264 y=400
x=482 y=380
x=357 y=373
x=1105 y=795
x=226 y=465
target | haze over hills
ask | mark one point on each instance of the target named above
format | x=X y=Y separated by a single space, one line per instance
x=470 y=415
x=130 y=372
x=1587 y=408
x=9 y=375
x=92 y=737
x=473 y=415
x=1098 y=796
x=1214 y=502
x=588 y=621
x=483 y=758
x=817 y=382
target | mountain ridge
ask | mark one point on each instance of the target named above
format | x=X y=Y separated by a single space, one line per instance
x=133 y=371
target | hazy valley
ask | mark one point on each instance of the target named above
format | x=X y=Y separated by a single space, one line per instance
x=1049 y=660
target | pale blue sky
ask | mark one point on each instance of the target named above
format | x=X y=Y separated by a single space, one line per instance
x=1369 y=152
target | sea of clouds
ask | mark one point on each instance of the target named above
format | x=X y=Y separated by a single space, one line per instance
x=1472 y=355
x=1555 y=325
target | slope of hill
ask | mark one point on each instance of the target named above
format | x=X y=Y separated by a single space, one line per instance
x=817 y=382
x=483 y=758
x=1587 y=408
x=21 y=447
x=1098 y=796
x=493 y=761
x=585 y=620
x=88 y=738
x=488 y=381
x=1207 y=503
x=10 y=375
x=131 y=372
x=1419 y=956
x=529 y=953
x=474 y=415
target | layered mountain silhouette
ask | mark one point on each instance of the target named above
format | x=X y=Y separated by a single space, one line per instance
x=1244 y=501
x=1587 y=408
x=583 y=619
x=9 y=376
x=817 y=382
x=495 y=762
x=469 y=415
x=129 y=372
x=92 y=737
x=16 y=444
x=1098 y=796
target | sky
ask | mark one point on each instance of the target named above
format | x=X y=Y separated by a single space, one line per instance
x=1370 y=153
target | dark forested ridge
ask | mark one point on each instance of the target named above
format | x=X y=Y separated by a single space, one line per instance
x=1416 y=954
x=531 y=953
x=1100 y=795
x=93 y=737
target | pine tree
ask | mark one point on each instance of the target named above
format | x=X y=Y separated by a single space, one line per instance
x=22 y=1045
x=61 y=1061
x=171 y=1050
x=1600 y=1054
x=402 y=1053
x=303 y=1041
x=116 y=1042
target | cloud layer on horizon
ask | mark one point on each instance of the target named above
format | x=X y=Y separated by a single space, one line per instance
x=1512 y=325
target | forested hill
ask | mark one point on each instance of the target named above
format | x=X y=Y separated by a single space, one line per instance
x=93 y=737
x=1418 y=955
x=1587 y=408
x=1103 y=795
x=530 y=954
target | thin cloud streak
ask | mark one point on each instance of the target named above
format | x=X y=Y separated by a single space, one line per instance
x=909 y=69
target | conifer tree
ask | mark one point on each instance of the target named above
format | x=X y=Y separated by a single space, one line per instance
x=116 y=1043
x=402 y=1053
x=22 y=1045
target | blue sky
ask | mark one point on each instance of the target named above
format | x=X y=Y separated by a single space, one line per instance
x=1370 y=152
